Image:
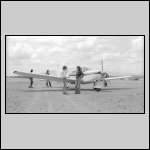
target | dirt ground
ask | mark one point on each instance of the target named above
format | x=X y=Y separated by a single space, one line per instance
x=121 y=96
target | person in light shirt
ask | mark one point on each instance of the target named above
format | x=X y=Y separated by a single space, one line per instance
x=64 y=75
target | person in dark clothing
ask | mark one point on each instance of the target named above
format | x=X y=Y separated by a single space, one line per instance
x=31 y=80
x=48 y=83
x=79 y=76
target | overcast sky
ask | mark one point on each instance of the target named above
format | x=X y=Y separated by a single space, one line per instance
x=121 y=54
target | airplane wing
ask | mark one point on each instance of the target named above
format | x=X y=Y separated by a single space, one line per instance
x=19 y=77
x=115 y=78
x=41 y=76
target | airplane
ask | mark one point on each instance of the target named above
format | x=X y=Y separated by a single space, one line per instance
x=90 y=77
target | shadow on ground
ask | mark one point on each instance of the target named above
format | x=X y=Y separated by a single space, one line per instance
x=60 y=90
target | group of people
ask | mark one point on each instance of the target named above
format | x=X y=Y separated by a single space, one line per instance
x=48 y=83
x=64 y=75
x=79 y=76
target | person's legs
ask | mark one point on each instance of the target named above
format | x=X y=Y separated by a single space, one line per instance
x=77 y=87
x=31 y=83
x=49 y=84
x=64 y=87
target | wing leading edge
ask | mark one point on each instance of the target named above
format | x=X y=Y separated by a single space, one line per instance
x=41 y=76
x=115 y=78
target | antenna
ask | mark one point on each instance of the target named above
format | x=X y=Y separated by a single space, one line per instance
x=102 y=64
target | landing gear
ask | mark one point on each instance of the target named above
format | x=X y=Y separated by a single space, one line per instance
x=97 y=89
x=105 y=83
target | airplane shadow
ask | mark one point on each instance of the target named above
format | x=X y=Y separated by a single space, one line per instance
x=60 y=90
x=111 y=89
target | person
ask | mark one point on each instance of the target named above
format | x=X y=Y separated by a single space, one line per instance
x=79 y=76
x=31 y=80
x=48 y=83
x=64 y=74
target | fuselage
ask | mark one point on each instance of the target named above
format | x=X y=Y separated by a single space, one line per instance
x=89 y=77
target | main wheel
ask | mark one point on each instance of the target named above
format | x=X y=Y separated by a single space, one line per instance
x=97 y=89
x=105 y=83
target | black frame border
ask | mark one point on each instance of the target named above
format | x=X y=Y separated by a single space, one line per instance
x=75 y=35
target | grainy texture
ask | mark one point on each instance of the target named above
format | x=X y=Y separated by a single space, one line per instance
x=122 y=96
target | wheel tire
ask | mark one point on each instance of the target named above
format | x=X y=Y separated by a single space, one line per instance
x=97 y=89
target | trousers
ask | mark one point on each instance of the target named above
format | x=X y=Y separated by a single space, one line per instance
x=77 y=85
x=64 y=86
x=31 y=82
x=48 y=83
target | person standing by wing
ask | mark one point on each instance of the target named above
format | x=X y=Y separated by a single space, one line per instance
x=48 y=83
x=79 y=76
x=64 y=75
x=31 y=80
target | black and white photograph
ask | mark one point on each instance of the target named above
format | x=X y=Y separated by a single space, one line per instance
x=75 y=74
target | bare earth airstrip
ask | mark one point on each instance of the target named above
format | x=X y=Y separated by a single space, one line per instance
x=121 y=96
